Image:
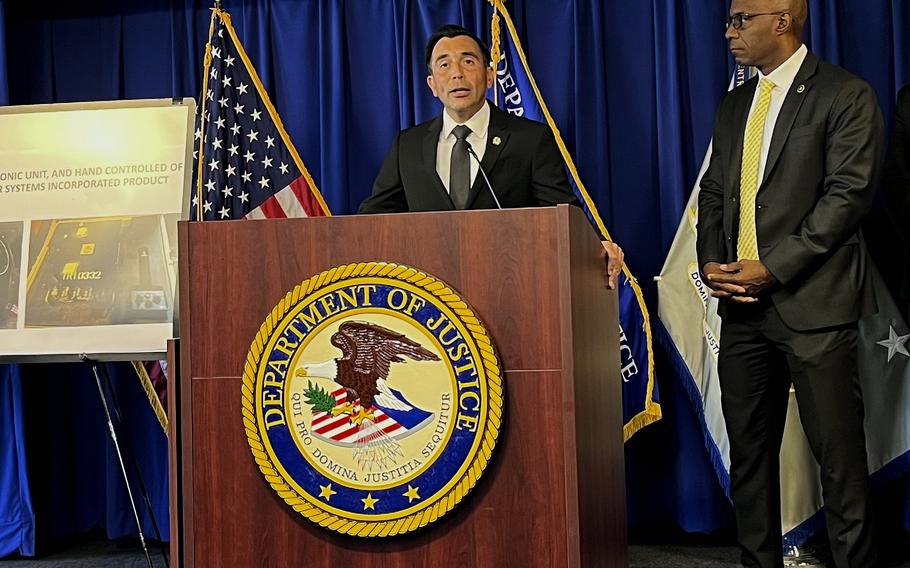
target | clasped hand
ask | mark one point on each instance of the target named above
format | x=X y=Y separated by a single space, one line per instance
x=739 y=281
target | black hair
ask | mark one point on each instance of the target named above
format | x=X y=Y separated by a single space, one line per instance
x=451 y=30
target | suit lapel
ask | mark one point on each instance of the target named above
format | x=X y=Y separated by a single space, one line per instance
x=792 y=103
x=430 y=142
x=497 y=138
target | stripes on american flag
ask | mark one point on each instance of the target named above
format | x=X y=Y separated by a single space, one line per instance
x=339 y=429
x=245 y=164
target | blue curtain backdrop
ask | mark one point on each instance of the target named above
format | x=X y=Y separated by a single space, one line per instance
x=632 y=85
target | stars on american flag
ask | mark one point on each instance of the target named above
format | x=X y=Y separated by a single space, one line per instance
x=247 y=166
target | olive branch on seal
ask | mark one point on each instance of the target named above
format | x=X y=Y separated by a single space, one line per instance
x=318 y=398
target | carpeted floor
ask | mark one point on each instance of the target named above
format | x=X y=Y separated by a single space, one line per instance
x=128 y=555
x=95 y=554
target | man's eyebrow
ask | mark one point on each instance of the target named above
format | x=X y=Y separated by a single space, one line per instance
x=442 y=56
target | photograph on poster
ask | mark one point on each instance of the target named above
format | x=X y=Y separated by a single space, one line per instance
x=101 y=271
x=10 y=267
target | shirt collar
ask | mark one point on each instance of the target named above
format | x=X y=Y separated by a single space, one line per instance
x=479 y=123
x=784 y=75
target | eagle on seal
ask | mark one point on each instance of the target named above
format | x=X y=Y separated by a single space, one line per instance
x=367 y=353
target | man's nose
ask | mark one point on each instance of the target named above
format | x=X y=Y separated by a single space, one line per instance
x=731 y=32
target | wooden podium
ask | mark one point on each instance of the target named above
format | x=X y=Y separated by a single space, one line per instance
x=554 y=492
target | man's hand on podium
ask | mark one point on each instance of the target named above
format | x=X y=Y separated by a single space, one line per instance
x=613 y=261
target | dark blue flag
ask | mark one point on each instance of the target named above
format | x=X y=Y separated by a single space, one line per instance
x=517 y=93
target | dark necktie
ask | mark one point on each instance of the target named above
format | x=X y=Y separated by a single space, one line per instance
x=460 y=168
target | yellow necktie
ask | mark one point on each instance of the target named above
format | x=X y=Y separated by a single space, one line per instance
x=747 y=243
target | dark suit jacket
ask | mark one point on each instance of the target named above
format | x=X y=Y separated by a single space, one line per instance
x=521 y=159
x=896 y=185
x=819 y=182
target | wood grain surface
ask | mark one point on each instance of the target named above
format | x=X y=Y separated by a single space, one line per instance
x=553 y=494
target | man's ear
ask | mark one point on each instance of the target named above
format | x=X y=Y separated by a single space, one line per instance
x=784 y=23
x=491 y=75
x=432 y=86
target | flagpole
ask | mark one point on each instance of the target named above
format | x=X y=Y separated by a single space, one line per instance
x=207 y=63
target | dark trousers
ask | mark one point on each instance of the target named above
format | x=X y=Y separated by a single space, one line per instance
x=759 y=358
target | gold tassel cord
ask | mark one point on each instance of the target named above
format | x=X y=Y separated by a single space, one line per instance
x=495 y=46
x=149 y=389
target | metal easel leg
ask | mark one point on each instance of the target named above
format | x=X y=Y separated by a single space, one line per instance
x=115 y=403
x=113 y=433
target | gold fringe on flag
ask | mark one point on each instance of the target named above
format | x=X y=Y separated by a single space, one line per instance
x=149 y=389
x=207 y=63
x=495 y=49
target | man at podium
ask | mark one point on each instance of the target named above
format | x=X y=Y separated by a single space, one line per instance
x=482 y=158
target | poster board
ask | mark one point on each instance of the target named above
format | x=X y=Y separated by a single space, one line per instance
x=90 y=196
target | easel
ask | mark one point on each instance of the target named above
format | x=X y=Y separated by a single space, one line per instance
x=95 y=365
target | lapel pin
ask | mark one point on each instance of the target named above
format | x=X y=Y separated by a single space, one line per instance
x=800 y=89
x=496 y=140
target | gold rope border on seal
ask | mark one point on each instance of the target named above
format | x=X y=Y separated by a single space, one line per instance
x=480 y=459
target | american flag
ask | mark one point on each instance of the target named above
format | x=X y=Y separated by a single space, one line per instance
x=245 y=164
x=339 y=429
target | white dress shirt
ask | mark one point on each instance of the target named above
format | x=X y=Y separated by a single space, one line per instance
x=782 y=77
x=479 y=124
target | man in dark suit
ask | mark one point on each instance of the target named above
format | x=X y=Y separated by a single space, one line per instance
x=896 y=185
x=795 y=158
x=429 y=167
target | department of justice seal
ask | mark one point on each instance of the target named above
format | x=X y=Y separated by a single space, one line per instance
x=372 y=399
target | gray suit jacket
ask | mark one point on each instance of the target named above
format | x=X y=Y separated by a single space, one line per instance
x=819 y=182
